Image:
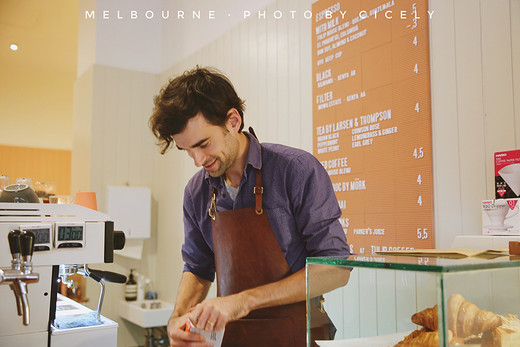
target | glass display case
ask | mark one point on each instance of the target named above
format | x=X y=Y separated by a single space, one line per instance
x=414 y=301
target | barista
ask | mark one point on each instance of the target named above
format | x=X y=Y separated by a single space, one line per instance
x=252 y=214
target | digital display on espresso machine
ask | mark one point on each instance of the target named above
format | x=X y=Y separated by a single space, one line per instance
x=69 y=235
x=42 y=235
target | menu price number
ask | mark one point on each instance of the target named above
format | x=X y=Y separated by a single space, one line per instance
x=423 y=261
x=422 y=233
x=418 y=153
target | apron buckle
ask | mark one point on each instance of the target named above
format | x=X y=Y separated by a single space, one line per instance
x=213 y=207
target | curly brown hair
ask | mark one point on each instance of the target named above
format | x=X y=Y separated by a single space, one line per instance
x=200 y=90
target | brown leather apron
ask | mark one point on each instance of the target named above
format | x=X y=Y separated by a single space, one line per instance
x=248 y=255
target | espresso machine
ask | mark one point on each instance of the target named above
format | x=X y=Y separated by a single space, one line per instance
x=41 y=246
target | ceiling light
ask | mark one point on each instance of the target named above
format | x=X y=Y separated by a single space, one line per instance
x=14 y=47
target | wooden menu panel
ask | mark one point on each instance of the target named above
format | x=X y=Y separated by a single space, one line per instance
x=372 y=119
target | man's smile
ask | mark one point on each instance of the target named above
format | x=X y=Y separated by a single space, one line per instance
x=208 y=167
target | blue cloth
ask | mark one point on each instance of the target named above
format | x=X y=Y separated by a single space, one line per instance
x=76 y=321
x=298 y=198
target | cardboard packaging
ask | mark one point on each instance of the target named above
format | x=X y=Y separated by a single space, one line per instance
x=507 y=174
x=501 y=217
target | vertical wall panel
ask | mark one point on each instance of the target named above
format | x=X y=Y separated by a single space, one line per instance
x=253 y=99
x=514 y=14
x=497 y=80
x=351 y=308
x=470 y=111
x=335 y=309
x=122 y=87
x=426 y=289
x=282 y=72
x=446 y=158
x=270 y=132
x=233 y=61
x=109 y=118
x=406 y=299
x=305 y=79
x=261 y=117
x=246 y=65
x=368 y=302
x=293 y=77
x=386 y=304
x=82 y=128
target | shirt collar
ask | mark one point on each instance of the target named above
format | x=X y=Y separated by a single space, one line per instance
x=254 y=158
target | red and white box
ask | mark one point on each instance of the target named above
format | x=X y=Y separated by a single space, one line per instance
x=501 y=217
x=507 y=174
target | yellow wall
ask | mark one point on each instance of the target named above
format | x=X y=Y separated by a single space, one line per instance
x=41 y=165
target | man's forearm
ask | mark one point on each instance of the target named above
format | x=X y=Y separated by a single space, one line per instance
x=292 y=289
x=192 y=290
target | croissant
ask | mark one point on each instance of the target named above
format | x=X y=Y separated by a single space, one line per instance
x=420 y=338
x=426 y=318
x=454 y=303
x=466 y=319
x=409 y=337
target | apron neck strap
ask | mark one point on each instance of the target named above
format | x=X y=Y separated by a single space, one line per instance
x=258 y=190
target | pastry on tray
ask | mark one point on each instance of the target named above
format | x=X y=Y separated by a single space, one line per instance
x=426 y=318
x=467 y=325
x=466 y=319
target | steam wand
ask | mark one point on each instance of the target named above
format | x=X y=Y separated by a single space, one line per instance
x=20 y=274
x=101 y=276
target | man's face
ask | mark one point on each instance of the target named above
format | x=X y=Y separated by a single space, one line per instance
x=213 y=147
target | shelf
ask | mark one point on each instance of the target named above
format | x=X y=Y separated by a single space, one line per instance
x=412 y=263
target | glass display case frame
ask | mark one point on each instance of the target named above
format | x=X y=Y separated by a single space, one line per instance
x=491 y=284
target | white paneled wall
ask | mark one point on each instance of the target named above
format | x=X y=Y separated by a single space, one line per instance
x=475 y=66
x=114 y=105
x=475 y=74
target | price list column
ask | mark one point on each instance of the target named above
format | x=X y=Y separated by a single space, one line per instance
x=372 y=120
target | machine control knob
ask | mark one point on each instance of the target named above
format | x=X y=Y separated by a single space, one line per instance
x=14 y=242
x=119 y=239
x=27 y=243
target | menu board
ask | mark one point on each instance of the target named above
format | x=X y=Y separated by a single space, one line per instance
x=372 y=119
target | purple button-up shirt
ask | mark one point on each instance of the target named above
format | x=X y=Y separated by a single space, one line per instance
x=298 y=198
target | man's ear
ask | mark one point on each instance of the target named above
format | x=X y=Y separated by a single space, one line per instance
x=234 y=119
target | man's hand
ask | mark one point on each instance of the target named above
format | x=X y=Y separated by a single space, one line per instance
x=214 y=314
x=179 y=337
